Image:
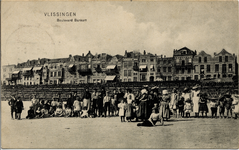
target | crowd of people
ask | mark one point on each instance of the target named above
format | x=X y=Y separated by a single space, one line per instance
x=148 y=105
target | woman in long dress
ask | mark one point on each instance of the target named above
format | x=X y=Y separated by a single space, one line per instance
x=143 y=105
x=129 y=108
x=195 y=99
x=164 y=105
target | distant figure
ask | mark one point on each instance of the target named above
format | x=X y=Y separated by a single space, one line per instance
x=154 y=117
x=12 y=103
x=30 y=113
x=122 y=108
x=19 y=108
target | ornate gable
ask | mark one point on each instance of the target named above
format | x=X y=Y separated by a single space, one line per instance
x=223 y=52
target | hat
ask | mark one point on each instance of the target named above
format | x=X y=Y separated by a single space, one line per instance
x=165 y=92
x=174 y=90
x=195 y=87
x=144 y=91
x=186 y=89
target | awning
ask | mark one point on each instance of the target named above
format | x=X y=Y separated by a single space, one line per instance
x=109 y=78
x=111 y=67
x=142 y=66
x=151 y=66
x=27 y=69
x=37 y=68
x=15 y=72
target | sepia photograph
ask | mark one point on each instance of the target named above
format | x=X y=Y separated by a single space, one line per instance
x=119 y=74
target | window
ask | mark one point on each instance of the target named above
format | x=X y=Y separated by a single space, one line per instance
x=183 y=62
x=169 y=69
x=182 y=78
x=135 y=74
x=130 y=64
x=182 y=71
x=188 y=78
x=190 y=60
x=169 y=78
x=189 y=71
x=199 y=59
x=220 y=58
x=54 y=74
x=177 y=71
x=152 y=60
x=177 y=61
x=201 y=69
x=143 y=77
x=217 y=68
x=151 y=74
x=129 y=80
x=59 y=73
x=196 y=77
x=226 y=58
x=169 y=61
x=125 y=64
x=125 y=80
x=164 y=69
x=143 y=60
x=165 y=61
x=224 y=68
x=158 y=69
x=229 y=67
x=202 y=76
x=51 y=74
x=214 y=75
x=30 y=83
x=135 y=78
x=125 y=72
x=205 y=59
x=208 y=68
x=129 y=72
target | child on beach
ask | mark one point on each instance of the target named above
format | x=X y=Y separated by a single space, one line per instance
x=68 y=112
x=30 y=113
x=84 y=113
x=58 y=112
x=180 y=106
x=38 y=112
x=77 y=107
x=188 y=107
x=213 y=105
x=122 y=107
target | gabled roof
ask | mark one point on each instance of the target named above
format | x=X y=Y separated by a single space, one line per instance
x=182 y=50
x=223 y=52
x=89 y=54
x=203 y=53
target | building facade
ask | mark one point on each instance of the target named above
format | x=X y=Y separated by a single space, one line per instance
x=133 y=66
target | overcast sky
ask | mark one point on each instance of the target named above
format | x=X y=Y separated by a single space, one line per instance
x=113 y=27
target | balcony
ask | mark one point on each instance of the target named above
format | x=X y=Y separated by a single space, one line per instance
x=27 y=73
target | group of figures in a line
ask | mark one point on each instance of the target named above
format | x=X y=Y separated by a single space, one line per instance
x=147 y=104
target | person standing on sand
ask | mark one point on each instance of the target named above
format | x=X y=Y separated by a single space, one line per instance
x=11 y=103
x=19 y=108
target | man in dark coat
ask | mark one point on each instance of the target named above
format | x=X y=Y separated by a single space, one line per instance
x=11 y=103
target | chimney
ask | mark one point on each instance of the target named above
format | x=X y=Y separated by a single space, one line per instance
x=161 y=56
x=83 y=54
x=214 y=53
x=144 y=52
x=164 y=56
x=70 y=55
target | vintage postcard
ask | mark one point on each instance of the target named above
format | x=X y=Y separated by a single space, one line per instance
x=119 y=74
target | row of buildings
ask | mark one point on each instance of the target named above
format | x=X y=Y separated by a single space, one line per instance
x=185 y=64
